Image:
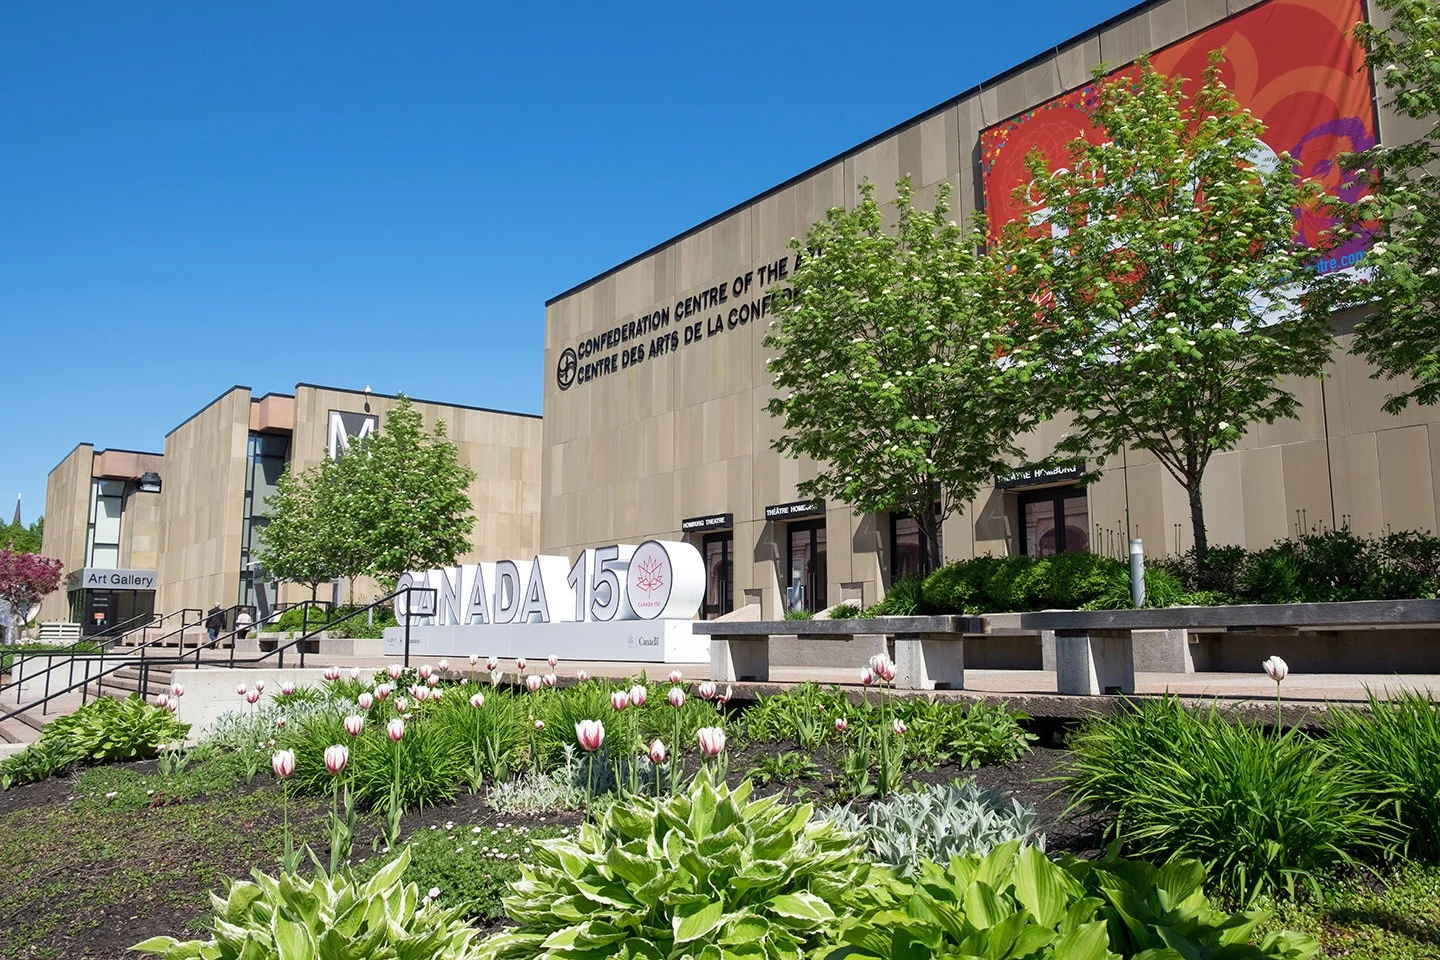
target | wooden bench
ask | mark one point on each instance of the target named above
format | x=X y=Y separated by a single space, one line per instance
x=929 y=652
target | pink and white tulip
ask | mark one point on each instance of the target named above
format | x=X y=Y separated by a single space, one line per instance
x=395 y=729
x=477 y=701
x=252 y=695
x=899 y=727
x=706 y=690
x=590 y=734
x=332 y=673
x=552 y=660
x=354 y=673
x=551 y=680
x=383 y=691
x=336 y=757
x=711 y=740
x=539 y=725
x=581 y=676
x=491 y=664
x=425 y=671
x=619 y=700
x=638 y=695
x=533 y=682
x=841 y=724
x=676 y=697
x=354 y=725
x=432 y=680
x=1276 y=669
x=365 y=700
x=240 y=689
x=520 y=664
x=394 y=671
x=658 y=753
x=401 y=704
x=676 y=677
x=283 y=763
x=474 y=660
x=177 y=690
x=287 y=688
x=443 y=666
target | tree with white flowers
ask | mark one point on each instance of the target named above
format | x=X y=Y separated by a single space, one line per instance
x=889 y=368
x=1401 y=335
x=1170 y=299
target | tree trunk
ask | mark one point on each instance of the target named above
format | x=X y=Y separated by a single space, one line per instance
x=1197 y=522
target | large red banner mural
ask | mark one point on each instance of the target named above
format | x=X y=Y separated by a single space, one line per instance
x=1293 y=63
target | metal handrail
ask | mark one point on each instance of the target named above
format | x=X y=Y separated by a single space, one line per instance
x=113 y=639
x=145 y=665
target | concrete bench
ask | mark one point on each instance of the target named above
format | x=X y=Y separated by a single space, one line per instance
x=1096 y=651
x=929 y=652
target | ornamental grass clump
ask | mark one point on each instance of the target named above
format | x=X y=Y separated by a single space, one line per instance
x=709 y=872
x=1263 y=812
x=1393 y=747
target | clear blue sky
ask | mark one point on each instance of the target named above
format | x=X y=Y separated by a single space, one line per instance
x=198 y=194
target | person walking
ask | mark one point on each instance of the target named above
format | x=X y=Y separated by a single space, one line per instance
x=215 y=622
x=243 y=623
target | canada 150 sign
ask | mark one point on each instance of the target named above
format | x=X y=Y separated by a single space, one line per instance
x=657 y=580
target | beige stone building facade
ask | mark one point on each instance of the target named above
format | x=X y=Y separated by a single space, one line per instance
x=196 y=532
x=655 y=391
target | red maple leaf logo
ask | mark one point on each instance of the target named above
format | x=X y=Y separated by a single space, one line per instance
x=650 y=576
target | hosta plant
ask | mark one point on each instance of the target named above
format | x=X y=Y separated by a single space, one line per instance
x=708 y=873
x=1017 y=903
x=332 y=916
x=940 y=822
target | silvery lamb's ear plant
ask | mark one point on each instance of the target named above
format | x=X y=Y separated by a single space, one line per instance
x=940 y=822
x=1017 y=903
x=332 y=916
x=707 y=873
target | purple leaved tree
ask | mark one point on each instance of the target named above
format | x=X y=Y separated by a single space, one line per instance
x=25 y=579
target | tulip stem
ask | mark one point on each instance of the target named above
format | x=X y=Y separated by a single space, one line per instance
x=1279 y=720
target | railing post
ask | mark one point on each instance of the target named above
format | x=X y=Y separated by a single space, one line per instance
x=45 y=704
x=408 y=598
x=304 y=629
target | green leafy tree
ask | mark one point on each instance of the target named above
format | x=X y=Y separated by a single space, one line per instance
x=406 y=494
x=294 y=540
x=886 y=368
x=1169 y=295
x=21 y=538
x=1401 y=336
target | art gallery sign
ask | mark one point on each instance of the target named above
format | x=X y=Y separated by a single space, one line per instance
x=618 y=602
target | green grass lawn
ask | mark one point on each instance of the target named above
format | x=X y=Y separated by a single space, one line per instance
x=1396 y=917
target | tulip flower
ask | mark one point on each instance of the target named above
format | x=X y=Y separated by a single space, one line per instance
x=336 y=758
x=437 y=694
x=332 y=673
x=899 y=727
x=581 y=676
x=365 y=700
x=590 y=734
x=1276 y=669
x=477 y=701
x=676 y=697
x=432 y=680
x=707 y=690
x=474 y=659
x=676 y=677
x=161 y=699
x=495 y=677
x=712 y=741
x=252 y=695
x=491 y=664
x=886 y=670
x=520 y=664
x=619 y=700
x=260 y=685
x=283 y=763
x=425 y=671
x=841 y=724
x=443 y=666
x=725 y=697
x=177 y=690
x=354 y=725
x=383 y=691
x=867 y=676
x=172 y=705
x=354 y=673
x=658 y=752
x=240 y=689
x=287 y=688
x=533 y=682
x=539 y=725
x=394 y=671
x=875 y=662
x=552 y=660
x=395 y=729
x=638 y=694
x=280 y=723
x=551 y=680
x=422 y=694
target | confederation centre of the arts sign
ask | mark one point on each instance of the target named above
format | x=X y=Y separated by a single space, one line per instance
x=620 y=602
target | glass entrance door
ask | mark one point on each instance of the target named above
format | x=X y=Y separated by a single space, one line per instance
x=1054 y=521
x=719 y=576
x=806 y=564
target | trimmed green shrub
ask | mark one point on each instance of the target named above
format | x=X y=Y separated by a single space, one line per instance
x=1394 y=748
x=958 y=819
x=104 y=730
x=844 y=611
x=799 y=613
x=1262 y=812
x=905 y=598
x=1015 y=903
x=708 y=873
x=332 y=916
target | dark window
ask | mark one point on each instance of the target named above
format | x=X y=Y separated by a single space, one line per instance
x=806 y=563
x=1054 y=521
x=717 y=549
x=264 y=465
x=908 y=556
